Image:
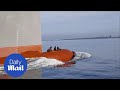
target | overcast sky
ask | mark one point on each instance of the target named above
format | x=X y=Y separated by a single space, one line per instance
x=70 y=22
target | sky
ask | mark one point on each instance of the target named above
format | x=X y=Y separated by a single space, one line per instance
x=79 y=22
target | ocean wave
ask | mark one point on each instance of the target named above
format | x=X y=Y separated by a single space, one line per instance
x=81 y=55
x=36 y=63
x=43 y=62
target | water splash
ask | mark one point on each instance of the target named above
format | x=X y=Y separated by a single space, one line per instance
x=81 y=55
x=36 y=63
x=43 y=62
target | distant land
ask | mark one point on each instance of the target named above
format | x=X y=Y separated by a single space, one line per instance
x=92 y=38
x=79 y=36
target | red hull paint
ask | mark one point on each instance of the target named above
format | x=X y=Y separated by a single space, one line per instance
x=64 y=55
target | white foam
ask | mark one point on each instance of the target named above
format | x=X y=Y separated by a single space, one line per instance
x=36 y=63
x=81 y=55
x=43 y=62
x=2 y=69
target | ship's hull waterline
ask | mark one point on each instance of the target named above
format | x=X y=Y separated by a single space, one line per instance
x=20 y=31
x=21 y=49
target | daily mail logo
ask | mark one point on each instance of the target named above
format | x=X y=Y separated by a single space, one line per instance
x=15 y=65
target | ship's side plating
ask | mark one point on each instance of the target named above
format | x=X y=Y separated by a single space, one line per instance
x=20 y=31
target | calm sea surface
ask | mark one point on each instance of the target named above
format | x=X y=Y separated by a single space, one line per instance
x=104 y=63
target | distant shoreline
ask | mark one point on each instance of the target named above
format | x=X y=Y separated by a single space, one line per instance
x=91 y=38
x=84 y=38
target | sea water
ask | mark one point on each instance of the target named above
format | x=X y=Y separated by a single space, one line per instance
x=104 y=63
x=96 y=59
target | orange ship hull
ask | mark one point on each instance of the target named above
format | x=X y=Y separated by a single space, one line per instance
x=63 y=55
